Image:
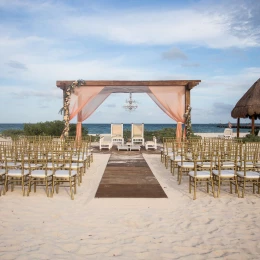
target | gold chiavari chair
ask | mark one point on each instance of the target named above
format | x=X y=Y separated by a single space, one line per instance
x=65 y=175
x=185 y=156
x=3 y=168
x=16 y=174
x=166 y=151
x=77 y=163
x=89 y=152
x=175 y=155
x=42 y=176
x=225 y=171
x=199 y=176
x=246 y=173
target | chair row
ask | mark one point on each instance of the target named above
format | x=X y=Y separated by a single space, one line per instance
x=37 y=165
x=214 y=162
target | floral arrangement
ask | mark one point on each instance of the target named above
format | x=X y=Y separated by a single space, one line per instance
x=187 y=117
x=66 y=105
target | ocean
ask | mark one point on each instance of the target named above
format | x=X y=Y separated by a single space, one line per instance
x=105 y=128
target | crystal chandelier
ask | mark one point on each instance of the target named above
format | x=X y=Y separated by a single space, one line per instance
x=130 y=104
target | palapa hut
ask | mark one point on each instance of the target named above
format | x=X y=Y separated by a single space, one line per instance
x=248 y=106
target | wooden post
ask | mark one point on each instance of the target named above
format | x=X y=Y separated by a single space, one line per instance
x=188 y=87
x=253 y=125
x=64 y=91
x=238 y=126
x=79 y=120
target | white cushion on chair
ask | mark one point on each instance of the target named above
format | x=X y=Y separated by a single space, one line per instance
x=204 y=164
x=64 y=173
x=186 y=164
x=227 y=164
x=12 y=164
x=224 y=173
x=248 y=164
x=17 y=172
x=176 y=158
x=200 y=174
x=249 y=174
x=32 y=165
x=73 y=166
x=50 y=165
x=40 y=173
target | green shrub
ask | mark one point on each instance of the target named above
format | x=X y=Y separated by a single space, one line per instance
x=12 y=133
x=250 y=138
x=50 y=128
x=127 y=135
x=148 y=135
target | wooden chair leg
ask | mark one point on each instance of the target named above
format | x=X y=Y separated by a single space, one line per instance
x=219 y=183
x=213 y=188
x=195 y=187
x=47 y=186
x=23 y=188
x=29 y=186
x=75 y=185
x=244 y=187
x=71 y=189
x=237 y=189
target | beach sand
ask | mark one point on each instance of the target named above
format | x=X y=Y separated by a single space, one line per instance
x=37 y=227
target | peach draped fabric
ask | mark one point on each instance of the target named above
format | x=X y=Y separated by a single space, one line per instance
x=83 y=102
x=172 y=101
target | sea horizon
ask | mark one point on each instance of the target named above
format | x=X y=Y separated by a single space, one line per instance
x=103 y=128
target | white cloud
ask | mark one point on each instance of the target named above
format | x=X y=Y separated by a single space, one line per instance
x=200 y=27
x=55 y=41
x=174 y=54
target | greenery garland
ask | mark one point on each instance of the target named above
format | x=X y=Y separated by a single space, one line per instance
x=187 y=117
x=66 y=105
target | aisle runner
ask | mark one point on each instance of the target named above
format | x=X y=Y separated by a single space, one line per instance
x=127 y=175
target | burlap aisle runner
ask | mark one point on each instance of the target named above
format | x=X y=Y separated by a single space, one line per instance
x=127 y=175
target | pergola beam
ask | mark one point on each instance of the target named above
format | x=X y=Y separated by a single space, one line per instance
x=171 y=83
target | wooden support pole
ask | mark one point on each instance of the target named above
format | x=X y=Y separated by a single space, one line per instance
x=238 y=126
x=187 y=96
x=188 y=87
x=253 y=125
x=64 y=91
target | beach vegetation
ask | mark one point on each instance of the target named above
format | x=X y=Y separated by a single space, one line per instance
x=250 y=138
x=50 y=128
x=13 y=133
x=148 y=135
x=159 y=134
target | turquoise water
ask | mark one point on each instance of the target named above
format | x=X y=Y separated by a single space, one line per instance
x=105 y=128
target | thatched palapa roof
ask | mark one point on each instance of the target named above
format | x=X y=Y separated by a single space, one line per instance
x=249 y=104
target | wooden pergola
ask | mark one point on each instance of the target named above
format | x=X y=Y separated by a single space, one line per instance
x=136 y=86
x=189 y=84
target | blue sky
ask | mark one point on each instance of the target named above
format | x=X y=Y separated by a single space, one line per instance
x=217 y=42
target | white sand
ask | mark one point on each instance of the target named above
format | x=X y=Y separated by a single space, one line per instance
x=37 y=227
